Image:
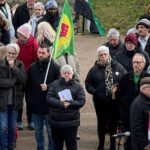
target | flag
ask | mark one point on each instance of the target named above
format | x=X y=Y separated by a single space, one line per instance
x=99 y=26
x=64 y=40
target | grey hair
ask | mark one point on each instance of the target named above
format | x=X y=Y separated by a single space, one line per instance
x=39 y=4
x=66 y=68
x=113 y=33
x=103 y=48
x=14 y=45
x=139 y=54
x=143 y=86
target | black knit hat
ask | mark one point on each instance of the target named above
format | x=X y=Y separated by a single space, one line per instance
x=144 y=22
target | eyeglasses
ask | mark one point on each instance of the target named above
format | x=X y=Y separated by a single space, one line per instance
x=147 y=87
x=137 y=62
x=67 y=73
x=10 y=53
x=104 y=54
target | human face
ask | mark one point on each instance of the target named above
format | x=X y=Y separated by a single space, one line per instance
x=146 y=90
x=103 y=56
x=129 y=46
x=42 y=53
x=22 y=39
x=67 y=75
x=52 y=11
x=113 y=41
x=138 y=64
x=11 y=53
x=2 y=1
x=38 y=11
x=142 y=31
x=31 y=3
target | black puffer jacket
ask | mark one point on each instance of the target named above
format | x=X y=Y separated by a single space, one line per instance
x=21 y=16
x=36 y=74
x=16 y=83
x=125 y=58
x=114 y=51
x=95 y=80
x=65 y=117
x=139 y=121
x=52 y=20
x=128 y=90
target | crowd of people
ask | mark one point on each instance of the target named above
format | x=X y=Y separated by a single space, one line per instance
x=119 y=81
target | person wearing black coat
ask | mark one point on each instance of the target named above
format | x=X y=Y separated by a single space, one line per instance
x=23 y=14
x=140 y=117
x=129 y=88
x=4 y=31
x=101 y=82
x=37 y=91
x=12 y=79
x=130 y=48
x=64 y=109
x=52 y=14
x=114 y=42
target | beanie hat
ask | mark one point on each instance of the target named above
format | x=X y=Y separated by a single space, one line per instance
x=25 y=30
x=131 y=37
x=51 y=4
x=144 y=22
x=145 y=80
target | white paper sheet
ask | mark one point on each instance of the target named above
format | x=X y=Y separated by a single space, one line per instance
x=65 y=94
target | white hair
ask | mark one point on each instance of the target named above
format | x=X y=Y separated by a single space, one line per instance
x=102 y=48
x=139 y=54
x=14 y=45
x=66 y=68
x=39 y=4
x=113 y=33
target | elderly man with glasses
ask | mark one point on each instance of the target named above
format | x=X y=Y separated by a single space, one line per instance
x=12 y=77
x=129 y=88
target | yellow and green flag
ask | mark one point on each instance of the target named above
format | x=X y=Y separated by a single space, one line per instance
x=64 y=41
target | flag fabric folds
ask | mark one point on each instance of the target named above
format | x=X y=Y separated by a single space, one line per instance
x=99 y=26
x=64 y=40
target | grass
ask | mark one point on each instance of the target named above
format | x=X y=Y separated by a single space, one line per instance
x=120 y=14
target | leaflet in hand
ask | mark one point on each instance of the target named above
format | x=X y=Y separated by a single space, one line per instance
x=65 y=94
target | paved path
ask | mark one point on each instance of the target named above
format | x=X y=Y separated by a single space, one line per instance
x=86 y=50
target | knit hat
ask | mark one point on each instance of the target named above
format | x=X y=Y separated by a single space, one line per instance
x=144 y=22
x=131 y=37
x=145 y=80
x=51 y=4
x=25 y=30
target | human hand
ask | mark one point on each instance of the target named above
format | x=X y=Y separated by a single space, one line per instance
x=147 y=147
x=43 y=87
x=66 y=104
x=11 y=62
x=114 y=88
x=63 y=99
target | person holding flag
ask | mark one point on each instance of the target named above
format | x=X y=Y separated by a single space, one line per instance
x=37 y=90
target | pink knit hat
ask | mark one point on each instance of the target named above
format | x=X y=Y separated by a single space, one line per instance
x=25 y=30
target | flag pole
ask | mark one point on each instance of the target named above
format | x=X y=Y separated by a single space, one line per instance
x=48 y=66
